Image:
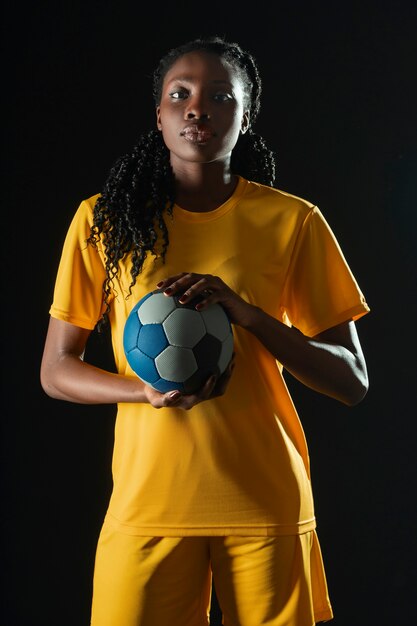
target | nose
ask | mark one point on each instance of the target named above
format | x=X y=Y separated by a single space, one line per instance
x=197 y=108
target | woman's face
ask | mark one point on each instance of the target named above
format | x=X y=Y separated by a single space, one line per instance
x=202 y=111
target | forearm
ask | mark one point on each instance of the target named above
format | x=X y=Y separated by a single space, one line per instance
x=329 y=368
x=74 y=380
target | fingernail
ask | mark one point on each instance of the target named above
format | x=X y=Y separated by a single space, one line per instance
x=168 y=290
x=161 y=282
x=174 y=395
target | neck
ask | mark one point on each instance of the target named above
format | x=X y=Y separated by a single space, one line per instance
x=202 y=189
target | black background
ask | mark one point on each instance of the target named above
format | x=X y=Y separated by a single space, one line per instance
x=340 y=109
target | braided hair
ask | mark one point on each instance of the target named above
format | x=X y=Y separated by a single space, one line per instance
x=140 y=189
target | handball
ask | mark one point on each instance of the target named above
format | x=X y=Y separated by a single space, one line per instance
x=173 y=346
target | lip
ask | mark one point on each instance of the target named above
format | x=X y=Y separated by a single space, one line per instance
x=197 y=133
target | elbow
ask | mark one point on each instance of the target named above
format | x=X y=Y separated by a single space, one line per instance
x=47 y=388
x=357 y=392
x=47 y=384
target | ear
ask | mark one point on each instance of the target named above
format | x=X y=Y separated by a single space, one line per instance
x=158 y=118
x=245 y=123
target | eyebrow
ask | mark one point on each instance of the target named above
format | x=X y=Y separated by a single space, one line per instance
x=191 y=79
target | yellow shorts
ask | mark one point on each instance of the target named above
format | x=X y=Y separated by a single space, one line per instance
x=166 y=581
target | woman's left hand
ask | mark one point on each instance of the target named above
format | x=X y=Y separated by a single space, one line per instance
x=212 y=290
x=212 y=388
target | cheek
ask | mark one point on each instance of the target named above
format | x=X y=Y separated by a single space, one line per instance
x=232 y=134
x=164 y=126
x=168 y=136
x=164 y=117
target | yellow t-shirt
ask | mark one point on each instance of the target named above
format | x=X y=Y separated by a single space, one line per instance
x=237 y=464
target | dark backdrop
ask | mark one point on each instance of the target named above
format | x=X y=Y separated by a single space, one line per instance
x=339 y=107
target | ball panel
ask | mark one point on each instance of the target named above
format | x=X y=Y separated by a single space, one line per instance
x=216 y=321
x=176 y=364
x=156 y=308
x=152 y=339
x=207 y=353
x=143 y=366
x=167 y=385
x=131 y=332
x=184 y=327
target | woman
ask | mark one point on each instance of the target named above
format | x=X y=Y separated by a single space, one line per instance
x=215 y=483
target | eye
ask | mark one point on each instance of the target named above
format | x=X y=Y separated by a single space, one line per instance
x=223 y=97
x=180 y=94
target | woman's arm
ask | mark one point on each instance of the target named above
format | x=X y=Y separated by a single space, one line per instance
x=66 y=376
x=331 y=363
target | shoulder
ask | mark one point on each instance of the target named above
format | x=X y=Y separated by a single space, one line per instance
x=278 y=197
x=83 y=217
x=276 y=204
x=89 y=203
x=85 y=209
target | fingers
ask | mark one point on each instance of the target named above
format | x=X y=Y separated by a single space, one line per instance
x=175 y=399
x=212 y=388
x=191 y=285
x=169 y=281
x=187 y=401
x=223 y=381
x=205 y=393
x=162 y=400
x=209 y=386
x=208 y=290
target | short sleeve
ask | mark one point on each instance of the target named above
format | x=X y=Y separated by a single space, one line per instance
x=78 y=296
x=320 y=290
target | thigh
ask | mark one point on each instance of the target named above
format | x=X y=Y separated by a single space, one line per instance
x=263 y=580
x=150 y=581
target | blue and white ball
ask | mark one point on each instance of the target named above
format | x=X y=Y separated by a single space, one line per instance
x=173 y=346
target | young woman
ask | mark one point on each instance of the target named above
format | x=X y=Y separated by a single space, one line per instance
x=216 y=483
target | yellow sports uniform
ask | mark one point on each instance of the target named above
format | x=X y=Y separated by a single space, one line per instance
x=236 y=465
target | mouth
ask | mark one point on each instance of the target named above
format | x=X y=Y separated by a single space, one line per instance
x=197 y=133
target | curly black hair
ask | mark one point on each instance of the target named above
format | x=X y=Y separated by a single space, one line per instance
x=140 y=189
